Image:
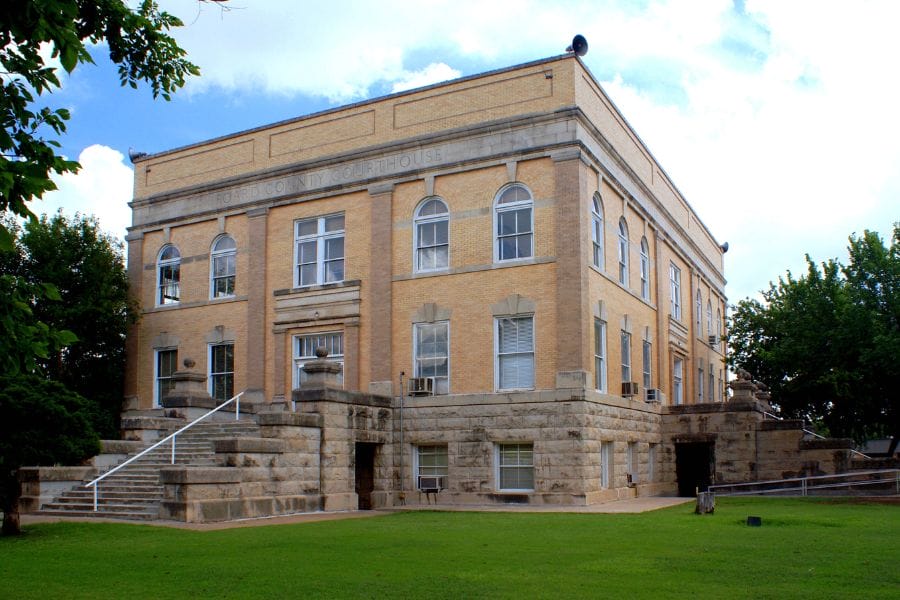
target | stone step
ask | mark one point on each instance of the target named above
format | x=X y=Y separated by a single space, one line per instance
x=119 y=500
x=89 y=512
x=109 y=507
x=125 y=493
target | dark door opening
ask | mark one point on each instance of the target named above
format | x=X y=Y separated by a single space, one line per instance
x=695 y=465
x=365 y=474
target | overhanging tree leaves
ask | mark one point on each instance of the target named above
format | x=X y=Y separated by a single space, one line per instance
x=827 y=344
x=138 y=42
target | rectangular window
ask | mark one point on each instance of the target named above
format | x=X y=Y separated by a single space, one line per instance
x=433 y=246
x=606 y=454
x=515 y=463
x=646 y=356
x=600 y=355
x=431 y=461
x=319 y=250
x=169 y=283
x=675 y=291
x=721 y=387
x=221 y=371
x=678 y=381
x=631 y=461
x=514 y=233
x=515 y=353
x=305 y=351
x=223 y=270
x=432 y=354
x=699 y=384
x=651 y=463
x=626 y=356
x=711 y=389
x=166 y=365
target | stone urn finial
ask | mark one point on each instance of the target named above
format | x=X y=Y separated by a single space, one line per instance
x=188 y=363
x=321 y=352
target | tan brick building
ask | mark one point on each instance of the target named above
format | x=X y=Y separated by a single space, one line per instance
x=503 y=243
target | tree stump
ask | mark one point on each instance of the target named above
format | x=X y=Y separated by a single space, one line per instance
x=706 y=503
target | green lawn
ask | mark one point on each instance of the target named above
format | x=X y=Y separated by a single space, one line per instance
x=805 y=548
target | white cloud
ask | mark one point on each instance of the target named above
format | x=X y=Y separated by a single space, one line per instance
x=103 y=187
x=433 y=73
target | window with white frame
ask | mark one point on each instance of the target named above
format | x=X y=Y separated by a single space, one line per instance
x=623 y=252
x=515 y=467
x=675 y=291
x=606 y=464
x=168 y=276
x=645 y=269
x=597 y=231
x=515 y=353
x=720 y=389
x=513 y=214
x=719 y=324
x=699 y=313
x=165 y=366
x=432 y=354
x=678 y=381
x=600 y=355
x=221 y=371
x=651 y=462
x=319 y=250
x=700 y=383
x=626 y=356
x=711 y=388
x=646 y=364
x=709 y=322
x=631 y=461
x=222 y=267
x=432 y=238
x=305 y=351
x=431 y=461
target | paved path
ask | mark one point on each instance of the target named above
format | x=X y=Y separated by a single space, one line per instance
x=633 y=505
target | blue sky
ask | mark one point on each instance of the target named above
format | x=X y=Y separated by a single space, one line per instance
x=776 y=120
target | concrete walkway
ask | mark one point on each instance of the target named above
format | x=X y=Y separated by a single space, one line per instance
x=632 y=505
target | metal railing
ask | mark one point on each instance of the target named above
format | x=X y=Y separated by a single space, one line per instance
x=814 y=434
x=172 y=437
x=805 y=486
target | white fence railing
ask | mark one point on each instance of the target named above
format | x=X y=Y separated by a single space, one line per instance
x=172 y=437
x=811 y=486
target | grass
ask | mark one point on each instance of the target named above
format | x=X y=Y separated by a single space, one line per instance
x=805 y=549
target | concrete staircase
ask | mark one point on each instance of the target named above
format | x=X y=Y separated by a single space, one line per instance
x=134 y=492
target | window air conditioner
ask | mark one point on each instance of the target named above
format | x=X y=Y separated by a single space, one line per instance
x=652 y=395
x=431 y=484
x=630 y=388
x=713 y=340
x=421 y=386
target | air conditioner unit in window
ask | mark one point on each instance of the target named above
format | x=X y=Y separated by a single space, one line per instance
x=713 y=340
x=431 y=484
x=652 y=395
x=630 y=388
x=421 y=386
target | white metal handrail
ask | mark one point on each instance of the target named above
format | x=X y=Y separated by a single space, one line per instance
x=237 y=415
x=814 y=434
x=802 y=484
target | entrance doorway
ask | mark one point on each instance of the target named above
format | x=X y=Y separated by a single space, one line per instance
x=695 y=467
x=365 y=474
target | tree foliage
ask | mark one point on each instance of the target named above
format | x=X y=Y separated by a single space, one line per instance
x=827 y=343
x=138 y=42
x=90 y=305
x=41 y=424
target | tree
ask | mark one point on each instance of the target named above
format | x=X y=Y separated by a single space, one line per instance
x=42 y=424
x=827 y=344
x=138 y=43
x=86 y=268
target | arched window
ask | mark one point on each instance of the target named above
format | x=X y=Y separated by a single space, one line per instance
x=168 y=275
x=709 y=329
x=698 y=317
x=514 y=218
x=645 y=269
x=432 y=241
x=222 y=267
x=597 y=230
x=623 y=252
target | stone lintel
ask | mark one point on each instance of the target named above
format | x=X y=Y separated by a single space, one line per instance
x=248 y=444
x=289 y=419
x=714 y=407
x=690 y=438
x=183 y=475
